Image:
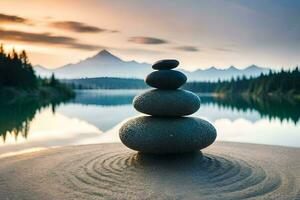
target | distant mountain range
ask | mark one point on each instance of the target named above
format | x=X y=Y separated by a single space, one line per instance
x=105 y=64
x=213 y=74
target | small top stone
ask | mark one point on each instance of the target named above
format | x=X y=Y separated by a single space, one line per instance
x=165 y=64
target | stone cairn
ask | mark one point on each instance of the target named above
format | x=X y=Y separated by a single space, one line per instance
x=166 y=130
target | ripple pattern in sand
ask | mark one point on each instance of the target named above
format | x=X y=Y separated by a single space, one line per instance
x=126 y=175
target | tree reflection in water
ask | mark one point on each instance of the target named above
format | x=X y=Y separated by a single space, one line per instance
x=271 y=108
x=15 y=119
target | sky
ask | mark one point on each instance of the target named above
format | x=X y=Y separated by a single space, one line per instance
x=199 y=33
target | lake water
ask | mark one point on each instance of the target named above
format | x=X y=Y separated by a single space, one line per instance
x=95 y=116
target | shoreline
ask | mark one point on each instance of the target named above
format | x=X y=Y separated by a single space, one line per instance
x=221 y=95
x=44 y=95
x=269 y=96
x=226 y=170
x=8 y=155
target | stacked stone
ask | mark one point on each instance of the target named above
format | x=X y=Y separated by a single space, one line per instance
x=166 y=130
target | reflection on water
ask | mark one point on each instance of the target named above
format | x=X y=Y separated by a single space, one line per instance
x=95 y=115
x=105 y=98
x=275 y=108
x=15 y=119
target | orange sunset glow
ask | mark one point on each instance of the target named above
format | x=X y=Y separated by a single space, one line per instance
x=200 y=33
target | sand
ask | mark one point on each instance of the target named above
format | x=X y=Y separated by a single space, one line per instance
x=111 y=171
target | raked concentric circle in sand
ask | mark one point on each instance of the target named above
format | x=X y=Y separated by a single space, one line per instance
x=110 y=171
x=127 y=175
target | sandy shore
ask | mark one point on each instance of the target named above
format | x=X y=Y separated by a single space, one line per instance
x=111 y=171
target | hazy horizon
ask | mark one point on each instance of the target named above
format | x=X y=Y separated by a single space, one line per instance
x=180 y=67
x=200 y=34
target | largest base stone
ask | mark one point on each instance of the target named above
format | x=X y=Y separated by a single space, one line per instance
x=159 y=135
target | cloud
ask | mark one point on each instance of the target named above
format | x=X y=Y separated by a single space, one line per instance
x=45 y=38
x=223 y=49
x=12 y=19
x=138 y=51
x=187 y=48
x=147 y=40
x=79 y=27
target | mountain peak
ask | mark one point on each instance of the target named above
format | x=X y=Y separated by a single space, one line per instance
x=233 y=68
x=253 y=67
x=213 y=68
x=105 y=55
x=104 y=52
x=39 y=66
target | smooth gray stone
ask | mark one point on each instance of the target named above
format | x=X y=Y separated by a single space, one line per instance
x=165 y=64
x=167 y=103
x=157 y=135
x=166 y=79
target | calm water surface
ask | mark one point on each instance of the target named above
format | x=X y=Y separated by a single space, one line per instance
x=95 y=116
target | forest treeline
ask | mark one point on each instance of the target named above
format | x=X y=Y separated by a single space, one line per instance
x=273 y=83
x=15 y=70
x=18 y=79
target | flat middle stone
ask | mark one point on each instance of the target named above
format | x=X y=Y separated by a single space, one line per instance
x=167 y=103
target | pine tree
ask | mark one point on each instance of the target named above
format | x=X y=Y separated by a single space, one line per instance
x=16 y=70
